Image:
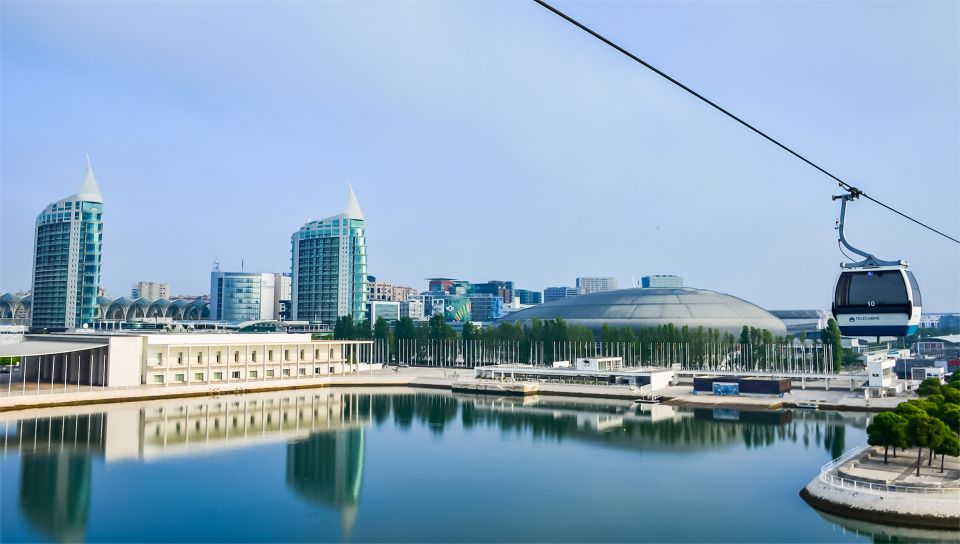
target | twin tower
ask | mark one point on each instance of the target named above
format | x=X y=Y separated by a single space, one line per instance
x=328 y=260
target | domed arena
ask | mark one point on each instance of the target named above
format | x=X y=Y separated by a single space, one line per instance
x=642 y=308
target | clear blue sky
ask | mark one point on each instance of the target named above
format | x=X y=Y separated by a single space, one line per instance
x=488 y=139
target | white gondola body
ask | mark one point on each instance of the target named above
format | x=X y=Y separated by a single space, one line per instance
x=874 y=301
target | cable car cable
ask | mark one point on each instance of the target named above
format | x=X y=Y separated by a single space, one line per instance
x=852 y=189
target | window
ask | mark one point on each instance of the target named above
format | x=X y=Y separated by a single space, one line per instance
x=253 y=373
x=198 y=376
x=270 y=373
x=179 y=377
x=270 y=355
x=286 y=371
x=254 y=356
x=179 y=357
x=218 y=375
x=235 y=375
x=331 y=353
x=160 y=359
x=316 y=354
x=199 y=358
x=303 y=371
x=218 y=356
x=158 y=378
x=301 y=354
x=331 y=370
x=871 y=288
x=236 y=356
x=316 y=370
x=286 y=355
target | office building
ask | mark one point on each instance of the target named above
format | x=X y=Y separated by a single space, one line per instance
x=150 y=289
x=551 y=294
x=247 y=296
x=528 y=297
x=387 y=310
x=412 y=308
x=329 y=262
x=587 y=284
x=485 y=307
x=66 y=258
x=501 y=289
x=663 y=281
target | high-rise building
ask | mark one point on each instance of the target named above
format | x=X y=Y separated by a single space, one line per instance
x=246 y=296
x=595 y=284
x=528 y=297
x=329 y=263
x=661 y=282
x=150 y=289
x=66 y=258
x=387 y=292
x=557 y=293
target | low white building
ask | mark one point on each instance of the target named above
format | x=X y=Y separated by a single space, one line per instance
x=603 y=364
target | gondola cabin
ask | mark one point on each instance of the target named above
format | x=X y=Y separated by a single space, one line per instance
x=877 y=301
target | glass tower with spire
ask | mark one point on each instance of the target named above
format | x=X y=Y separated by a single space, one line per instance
x=329 y=265
x=66 y=258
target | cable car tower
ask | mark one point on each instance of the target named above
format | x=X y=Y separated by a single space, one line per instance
x=874 y=297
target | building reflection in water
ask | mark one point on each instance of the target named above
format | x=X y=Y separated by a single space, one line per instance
x=325 y=436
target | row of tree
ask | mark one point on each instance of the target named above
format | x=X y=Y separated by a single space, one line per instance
x=930 y=422
x=699 y=340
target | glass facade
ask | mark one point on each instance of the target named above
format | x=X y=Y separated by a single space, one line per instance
x=329 y=263
x=66 y=265
x=237 y=297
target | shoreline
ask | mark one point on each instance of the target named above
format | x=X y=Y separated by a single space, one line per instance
x=456 y=380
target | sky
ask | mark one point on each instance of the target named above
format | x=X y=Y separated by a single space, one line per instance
x=489 y=139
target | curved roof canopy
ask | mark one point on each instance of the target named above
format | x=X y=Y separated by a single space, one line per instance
x=641 y=308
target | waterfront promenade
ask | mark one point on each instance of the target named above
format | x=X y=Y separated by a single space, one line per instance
x=429 y=377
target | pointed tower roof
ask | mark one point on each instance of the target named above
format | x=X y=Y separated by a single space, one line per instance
x=352 y=210
x=89 y=189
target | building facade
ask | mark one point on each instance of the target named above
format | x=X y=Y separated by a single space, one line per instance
x=661 y=281
x=329 y=265
x=528 y=297
x=150 y=289
x=551 y=294
x=412 y=308
x=485 y=307
x=385 y=309
x=387 y=292
x=593 y=284
x=66 y=258
x=247 y=296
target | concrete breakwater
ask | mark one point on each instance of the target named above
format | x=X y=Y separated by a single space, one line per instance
x=860 y=485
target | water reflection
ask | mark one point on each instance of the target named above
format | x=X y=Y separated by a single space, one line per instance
x=325 y=436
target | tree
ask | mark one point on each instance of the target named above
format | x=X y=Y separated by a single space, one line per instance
x=831 y=335
x=887 y=429
x=745 y=335
x=922 y=432
x=950 y=445
x=929 y=387
x=343 y=328
x=469 y=332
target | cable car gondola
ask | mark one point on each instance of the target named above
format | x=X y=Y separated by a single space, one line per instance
x=874 y=297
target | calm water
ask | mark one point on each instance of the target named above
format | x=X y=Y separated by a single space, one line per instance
x=407 y=465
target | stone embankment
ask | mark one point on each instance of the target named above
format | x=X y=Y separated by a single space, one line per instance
x=859 y=485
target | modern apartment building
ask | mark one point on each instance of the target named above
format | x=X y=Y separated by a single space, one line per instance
x=387 y=310
x=152 y=290
x=412 y=308
x=329 y=265
x=388 y=292
x=558 y=293
x=592 y=284
x=485 y=307
x=66 y=258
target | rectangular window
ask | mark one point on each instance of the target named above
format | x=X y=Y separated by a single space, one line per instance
x=160 y=359
x=158 y=378
x=301 y=354
x=270 y=355
x=254 y=356
x=218 y=375
x=286 y=371
x=198 y=376
x=253 y=373
x=179 y=377
x=286 y=355
x=218 y=356
x=236 y=356
x=316 y=354
x=332 y=370
x=199 y=358
x=179 y=357
x=317 y=370
x=270 y=373
x=303 y=371
x=235 y=375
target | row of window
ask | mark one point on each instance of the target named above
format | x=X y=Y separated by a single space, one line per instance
x=236 y=356
x=235 y=375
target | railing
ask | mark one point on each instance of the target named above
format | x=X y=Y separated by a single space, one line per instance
x=860 y=485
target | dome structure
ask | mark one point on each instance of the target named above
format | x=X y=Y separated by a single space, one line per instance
x=642 y=308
